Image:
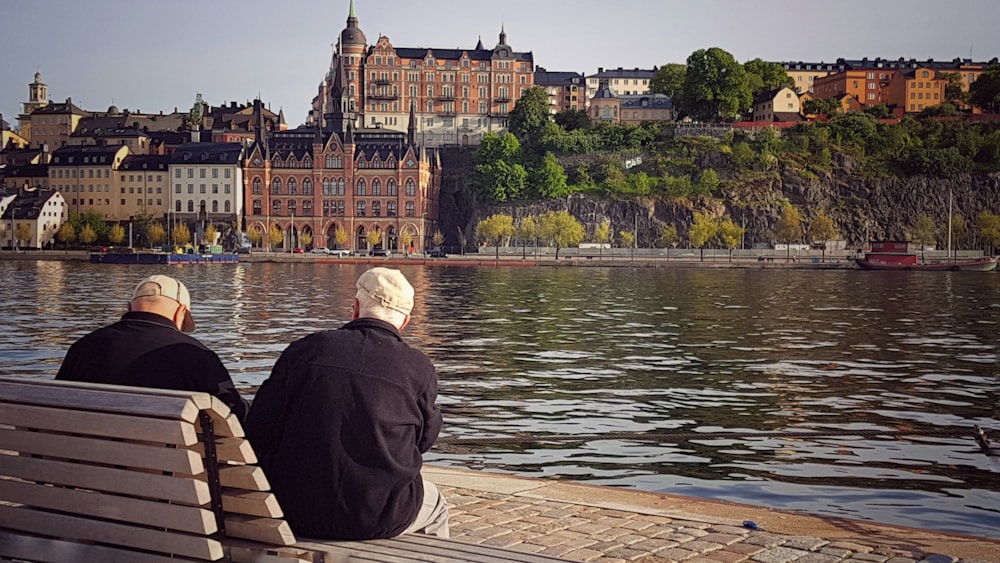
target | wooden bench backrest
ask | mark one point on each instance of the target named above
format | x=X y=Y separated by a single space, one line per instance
x=108 y=473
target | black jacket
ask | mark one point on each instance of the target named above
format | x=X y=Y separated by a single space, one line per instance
x=340 y=426
x=147 y=350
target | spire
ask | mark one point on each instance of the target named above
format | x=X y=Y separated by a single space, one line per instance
x=479 y=44
x=411 y=129
x=349 y=138
x=503 y=35
x=351 y=13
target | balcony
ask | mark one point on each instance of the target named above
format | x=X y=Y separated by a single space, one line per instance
x=503 y=99
x=445 y=98
x=383 y=96
x=447 y=113
x=382 y=82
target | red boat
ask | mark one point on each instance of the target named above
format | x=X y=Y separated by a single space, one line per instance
x=895 y=255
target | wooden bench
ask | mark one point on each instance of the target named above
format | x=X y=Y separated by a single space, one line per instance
x=107 y=473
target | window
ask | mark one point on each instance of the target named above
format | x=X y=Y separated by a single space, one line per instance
x=177 y=174
x=201 y=188
x=177 y=188
x=215 y=206
x=376 y=189
x=390 y=186
x=307 y=186
x=411 y=189
x=177 y=206
x=275 y=207
x=307 y=207
x=190 y=188
x=215 y=172
x=291 y=206
x=257 y=206
x=190 y=206
x=376 y=209
x=341 y=187
x=293 y=187
x=215 y=188
x=276 y=186
x=201 y=172
x=228 y=207
x=410 y=209
x=390 y=209
x=361 y=209
x=360 y=189
x=256 y=186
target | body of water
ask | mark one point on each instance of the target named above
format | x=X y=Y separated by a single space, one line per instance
x=602 y=374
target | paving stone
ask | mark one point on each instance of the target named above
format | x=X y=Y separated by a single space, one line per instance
x=558 y=550
x=804 y=542
x=746 y=548
x=606 y=546
x=723 y=529
x=631 y=539
x=779 y=555
x=626 y=553
x=855 y=547
x=836 y=552
x=589 y=528
x=702 y=546
x=584 y=554
x=527 y=547
x=938 y=558
x=654 y=519
x=869 y=557
x=677 y=537
x=818 y=558
x=611 y=513
x=637 y=525
x=765 y=539
x=653 y=545
x=505 y=540
x=690 y=524
x=725 y=556
x=677 y=554
x=724 y=539
x=695 y=532
x=654 y=559
x=901 y=560
x=612 y=521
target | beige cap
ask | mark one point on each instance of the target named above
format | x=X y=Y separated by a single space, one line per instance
x=388 y=288
x=166 y=286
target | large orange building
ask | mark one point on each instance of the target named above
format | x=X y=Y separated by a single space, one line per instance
x=915 y=90
x=458 y=95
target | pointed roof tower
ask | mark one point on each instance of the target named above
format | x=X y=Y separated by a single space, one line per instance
x=351 y=38
x=479 y=44
x=411 y=129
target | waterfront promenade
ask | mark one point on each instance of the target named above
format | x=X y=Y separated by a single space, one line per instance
x=605 y=524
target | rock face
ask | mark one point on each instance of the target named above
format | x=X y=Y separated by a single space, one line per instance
x=862 y=208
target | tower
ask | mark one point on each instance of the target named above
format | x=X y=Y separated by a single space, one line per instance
x=38 y=97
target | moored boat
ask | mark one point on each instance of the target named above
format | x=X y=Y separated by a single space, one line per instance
x=895 y=255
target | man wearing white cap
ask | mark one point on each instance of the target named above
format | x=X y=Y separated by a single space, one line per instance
x=148 y=348
x=341 y=424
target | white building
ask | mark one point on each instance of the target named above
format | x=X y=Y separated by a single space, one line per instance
x=207 y=184
x=31 y=218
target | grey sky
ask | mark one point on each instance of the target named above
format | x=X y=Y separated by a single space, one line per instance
x=152 y=56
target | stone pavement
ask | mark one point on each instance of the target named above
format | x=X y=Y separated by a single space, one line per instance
x=608 y=524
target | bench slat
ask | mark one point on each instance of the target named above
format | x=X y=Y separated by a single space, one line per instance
x=104 y=451
x=36 y=548
x=100 y=424
x=251 y=503
x=72 y=527
x=125 y=509
x=230 y=450
x=267 y=530
x=177 y=489
x=116 y=400
x=202 y=401
x=250 y=552
x=247 y=477
x=228 y=427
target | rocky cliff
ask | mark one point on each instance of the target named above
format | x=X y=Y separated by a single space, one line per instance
x=863 y=208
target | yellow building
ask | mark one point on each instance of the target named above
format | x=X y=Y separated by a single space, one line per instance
x=87 y=177
x=915 y=90
x=38 y=97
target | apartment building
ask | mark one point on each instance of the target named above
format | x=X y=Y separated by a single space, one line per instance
x=458 y=94
x=566 y=90
x=87 y=178
x=143 y=186
x=207 y=185
x=805 y=74
x=779 y=104
x=621 y=81
x=914 y=90
x=30 y=218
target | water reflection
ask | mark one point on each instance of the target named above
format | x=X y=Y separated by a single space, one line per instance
x=591 y=352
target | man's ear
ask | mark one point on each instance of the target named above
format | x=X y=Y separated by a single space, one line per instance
x=406 y=321
x=357 y=310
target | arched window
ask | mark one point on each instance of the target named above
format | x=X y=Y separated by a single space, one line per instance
x=376 y=187
x=293 y=186
x=215 y=206
x=376 y=209
x=257 y=207
x=411 y=188
x=256 y=186
x=361 y=209
x=391 y=187
x=228 y=208
x=326 y=186
x=190 y=206
x=177 y=207
x=275 y=207
x=276 y=186
x=410 y=209
x=341 y=187
x=360 y=189
x=390 y=209
x=307 y=186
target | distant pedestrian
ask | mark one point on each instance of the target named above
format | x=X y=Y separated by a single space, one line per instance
x=148 y=348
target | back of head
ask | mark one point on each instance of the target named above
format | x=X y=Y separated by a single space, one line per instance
x=384 y=294
x=161 y=294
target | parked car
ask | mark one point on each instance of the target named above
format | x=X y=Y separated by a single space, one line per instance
x=379 y=252
x=436 y=252
x=320 y=250
x=242 y=250
x=338 y=251
x=297 y=251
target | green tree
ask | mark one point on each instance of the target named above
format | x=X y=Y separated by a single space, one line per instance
x=708 y=182
x=825 y=106
x=549 y=179
x=256 y=235
x=561 y=229
x=879 y=111
x=669 y=80
x=211 y=234
x=985 y=91
x=822 y=230
x=182 y=234
x=527 y=230
x=530 y=116
x=961 y=237
x=275 y=236
x=602 y=235
x=763 y=76
x=668 y=237
x=703 y=230
x=716 y=87
x=628 y=241
x=954 y=90
x=730 y=234
x=989 y=230
x=157 y=234
x=340 y=237
x=788 y=229
x=193 y=120
x=924 y=231
x=573 y=119
x=374 y=238
x=66 y=234
x=407 y=239
x=495 y=228
x=116 y=234
x=87 y=235
x=498 y=173
x=96 y=221
x=305 y=238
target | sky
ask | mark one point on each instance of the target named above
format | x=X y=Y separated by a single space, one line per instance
x=151 y=56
